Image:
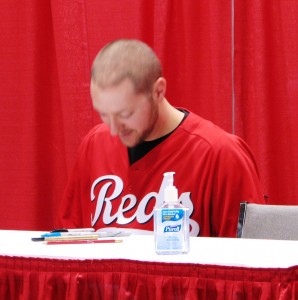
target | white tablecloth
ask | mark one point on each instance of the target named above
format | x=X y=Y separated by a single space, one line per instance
x=213 y=251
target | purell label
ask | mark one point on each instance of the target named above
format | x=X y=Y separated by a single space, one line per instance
x=172 y=228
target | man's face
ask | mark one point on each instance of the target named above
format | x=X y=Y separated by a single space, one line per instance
x=129 y=115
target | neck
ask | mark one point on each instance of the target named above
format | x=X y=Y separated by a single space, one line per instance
x=169 y=118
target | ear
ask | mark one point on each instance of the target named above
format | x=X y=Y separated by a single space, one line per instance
x=159 y=89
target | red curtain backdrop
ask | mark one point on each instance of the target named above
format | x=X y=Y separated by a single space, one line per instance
x=234 y=62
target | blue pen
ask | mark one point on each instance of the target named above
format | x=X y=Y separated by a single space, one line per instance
x=51 y=234
x=66 y=234
x=74 y=233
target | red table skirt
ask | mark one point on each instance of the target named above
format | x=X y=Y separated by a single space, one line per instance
x=37 y=278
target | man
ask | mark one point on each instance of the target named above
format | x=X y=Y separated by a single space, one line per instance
x=118 y=176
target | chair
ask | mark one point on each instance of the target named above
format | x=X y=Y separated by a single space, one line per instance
x=261 y=221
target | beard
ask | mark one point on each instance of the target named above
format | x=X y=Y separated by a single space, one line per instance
x=134 y=138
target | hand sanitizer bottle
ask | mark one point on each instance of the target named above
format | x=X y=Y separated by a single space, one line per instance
x=171 y=222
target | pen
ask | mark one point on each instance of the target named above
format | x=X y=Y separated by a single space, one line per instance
x=100 y=234
x=74 y=230
x=66 y=235
x=72 y=233
x=72 y=237
x=82 y=242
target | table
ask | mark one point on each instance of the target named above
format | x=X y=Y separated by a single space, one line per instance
x=215 y=268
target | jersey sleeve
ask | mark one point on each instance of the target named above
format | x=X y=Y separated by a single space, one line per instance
x=236 y=179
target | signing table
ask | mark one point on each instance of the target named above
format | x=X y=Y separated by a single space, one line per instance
x=215 y=268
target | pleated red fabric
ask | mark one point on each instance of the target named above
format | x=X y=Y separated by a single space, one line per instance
x=49 y=279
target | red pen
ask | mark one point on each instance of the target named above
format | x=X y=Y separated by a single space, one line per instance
x=67 y=242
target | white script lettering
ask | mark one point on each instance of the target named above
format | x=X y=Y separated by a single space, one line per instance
x=112 y=188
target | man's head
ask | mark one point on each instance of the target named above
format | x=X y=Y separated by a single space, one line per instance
x=126 y=90
x=126 y=59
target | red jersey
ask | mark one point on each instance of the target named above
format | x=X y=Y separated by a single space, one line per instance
x=214 y=172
